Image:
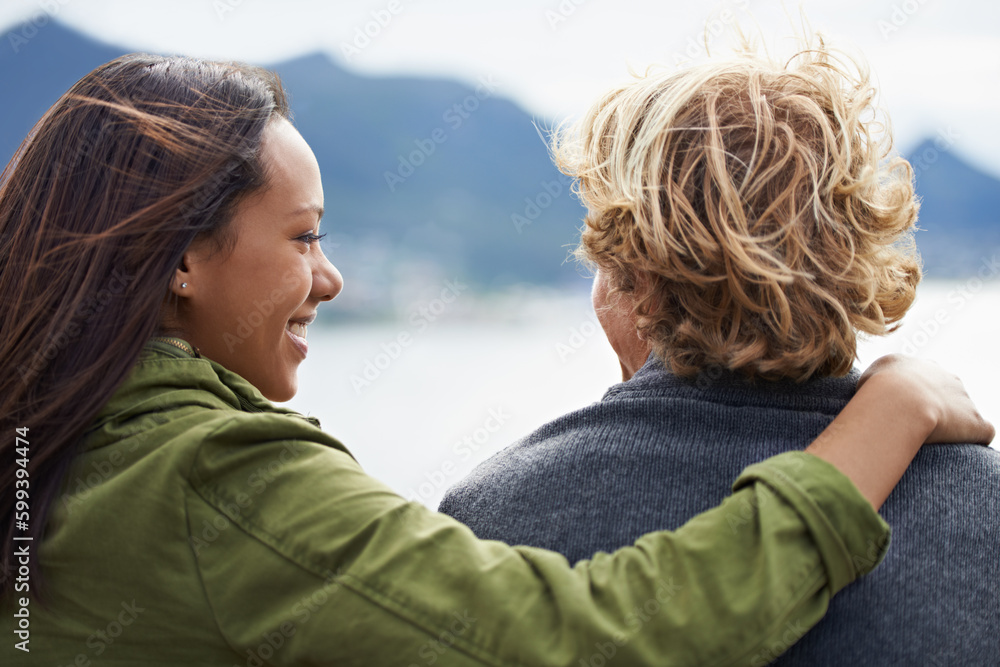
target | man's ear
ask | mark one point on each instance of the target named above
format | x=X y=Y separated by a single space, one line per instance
x=643 y=285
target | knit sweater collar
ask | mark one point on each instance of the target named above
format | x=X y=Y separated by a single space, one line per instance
x=820 y=393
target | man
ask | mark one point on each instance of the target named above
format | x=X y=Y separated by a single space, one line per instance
x=746 y=226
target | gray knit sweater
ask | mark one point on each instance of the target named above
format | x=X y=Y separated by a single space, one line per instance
x=657 y=450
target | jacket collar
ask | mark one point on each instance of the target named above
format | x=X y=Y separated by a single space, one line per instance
x=171 y=374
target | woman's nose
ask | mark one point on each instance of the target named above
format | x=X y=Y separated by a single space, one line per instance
x=327 y=281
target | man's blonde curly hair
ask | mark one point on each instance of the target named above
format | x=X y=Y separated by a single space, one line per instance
x=750 y=211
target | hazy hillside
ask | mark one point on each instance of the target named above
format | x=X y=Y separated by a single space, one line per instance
x=959 y=211
x=429 y=179
x=416 y=179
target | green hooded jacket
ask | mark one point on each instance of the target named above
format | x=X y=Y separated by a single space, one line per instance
x=202 y=525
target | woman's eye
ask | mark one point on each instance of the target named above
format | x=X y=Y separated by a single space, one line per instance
x=309 y=239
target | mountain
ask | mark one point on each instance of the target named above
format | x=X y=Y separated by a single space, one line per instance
x=432 y=172
x=959 y=216
x=425 y=179
x=429 y=179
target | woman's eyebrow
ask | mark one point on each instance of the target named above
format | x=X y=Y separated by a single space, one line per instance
x=309 y=208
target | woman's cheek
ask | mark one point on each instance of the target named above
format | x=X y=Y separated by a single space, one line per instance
x=290 y=279
x=294 y=288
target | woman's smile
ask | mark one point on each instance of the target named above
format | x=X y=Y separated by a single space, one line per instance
x=296 y=330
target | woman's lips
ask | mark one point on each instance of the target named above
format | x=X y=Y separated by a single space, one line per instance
x=298 y=341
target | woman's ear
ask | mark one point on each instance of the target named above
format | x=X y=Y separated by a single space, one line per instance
x=181 y=282
x=188 y=276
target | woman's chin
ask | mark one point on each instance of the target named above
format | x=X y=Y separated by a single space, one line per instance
x=279 y=390
x=282 y=394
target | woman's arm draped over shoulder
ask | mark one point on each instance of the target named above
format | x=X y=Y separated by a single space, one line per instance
x=347 y=572
x=321 y=564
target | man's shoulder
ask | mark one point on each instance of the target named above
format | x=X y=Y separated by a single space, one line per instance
x=948 y=477
x=950 y=461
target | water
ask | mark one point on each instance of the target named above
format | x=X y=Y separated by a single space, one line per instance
x=421 y=402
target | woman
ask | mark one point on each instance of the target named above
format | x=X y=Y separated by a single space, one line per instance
x=160 y=237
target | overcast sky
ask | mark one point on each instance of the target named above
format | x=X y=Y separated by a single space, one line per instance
x=937 y=63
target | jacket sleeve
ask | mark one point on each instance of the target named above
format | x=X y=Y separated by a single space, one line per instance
x=316 y=563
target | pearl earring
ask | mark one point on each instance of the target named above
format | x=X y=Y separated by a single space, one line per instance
x=183 y=285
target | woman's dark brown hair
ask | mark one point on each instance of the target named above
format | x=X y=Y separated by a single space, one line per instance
x=97 y=207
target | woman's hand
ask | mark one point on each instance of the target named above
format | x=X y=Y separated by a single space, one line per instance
x=900 y=404
x=955 y=416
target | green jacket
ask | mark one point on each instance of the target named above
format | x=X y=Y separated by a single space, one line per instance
x=200 y=524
